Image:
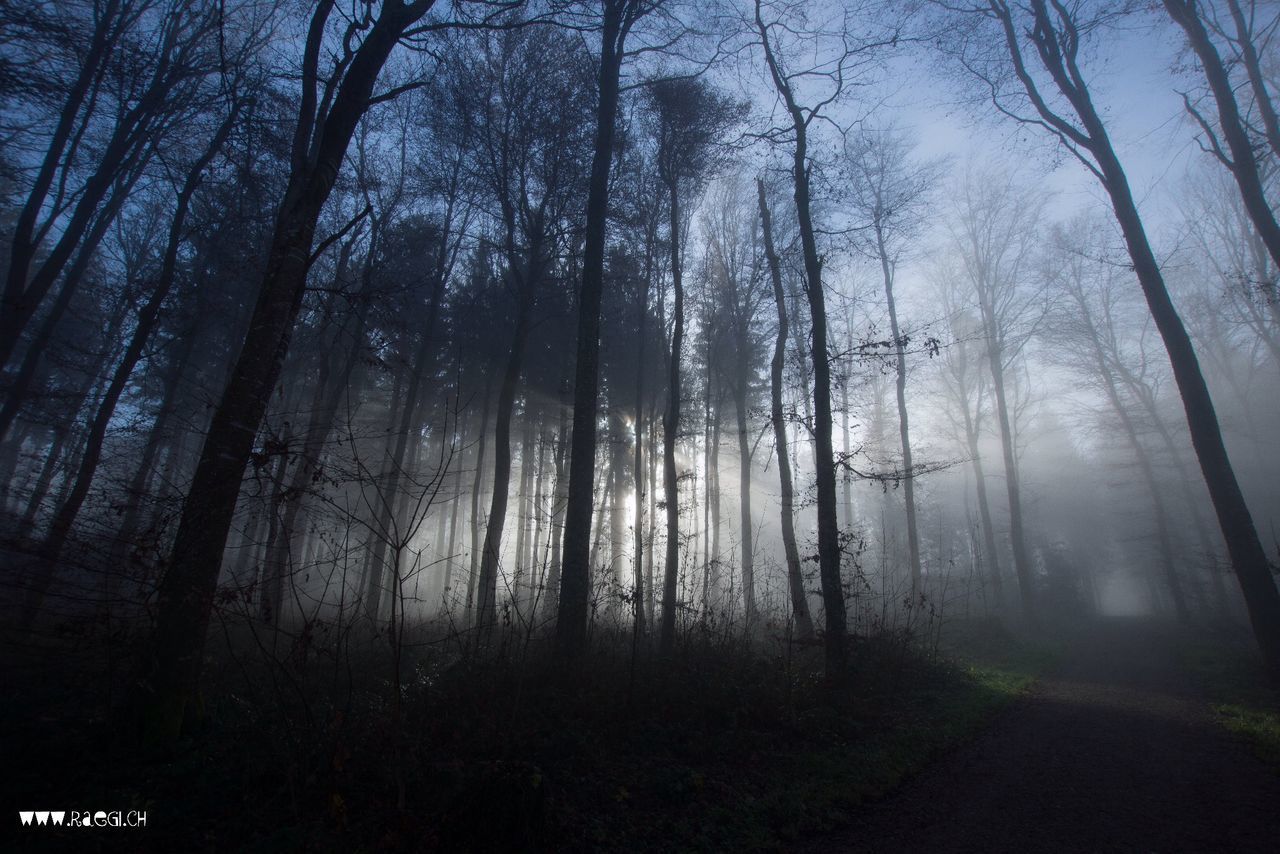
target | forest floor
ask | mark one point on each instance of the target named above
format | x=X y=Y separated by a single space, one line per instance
x=1118 y=749
x=721 y=747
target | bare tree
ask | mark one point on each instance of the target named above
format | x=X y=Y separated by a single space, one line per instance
x=842 y=59
x=887 y=194
x=1086 y=334
x=1239 y=155
x=964 y=379
x=995 y=235
x=530 y=132
x=795 y=581
x=1052 y=35
x=326 y=121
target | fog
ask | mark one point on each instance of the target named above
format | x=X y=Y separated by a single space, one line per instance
x=372 y=340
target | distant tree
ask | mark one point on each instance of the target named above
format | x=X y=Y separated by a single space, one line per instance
x=1085 y=333
x=995 y=234
x=887 y=194
x=964 y=379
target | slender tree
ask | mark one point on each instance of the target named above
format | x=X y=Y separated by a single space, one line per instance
x=795 y=580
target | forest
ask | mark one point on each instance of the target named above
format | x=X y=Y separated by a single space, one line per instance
x=640 y=425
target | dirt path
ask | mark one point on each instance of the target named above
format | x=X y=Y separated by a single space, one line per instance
x=1113 y=752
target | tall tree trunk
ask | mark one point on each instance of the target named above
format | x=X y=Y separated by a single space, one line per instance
x=836 y=635
x=492 y=554
x=451 y=554
x=638 y=466
x=575 y=580
x=650 y=589
x=187 y=590
x=524 y=498
x=618 y=552
x=1243 y=544
x=1017 y=539
x=984 y=507
x=795 y=581
x=559 y=502
x=537 y=559
x=670 y=432
x=711 y=582
x=477 y=488
x=744 y=497
x=846 y=482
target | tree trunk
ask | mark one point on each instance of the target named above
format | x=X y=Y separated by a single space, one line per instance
x=904 y=432
x=492 y=554
x=476 y=490
x=1021 y=560
x=670 y=432
x=521 y=576
x=618 y=504
x=744 y=497
x=575 y=580
x=559 y=501
x=795 y=581
x=984 y=507
x=187 y=590
x=836 y=634
x=638 y=593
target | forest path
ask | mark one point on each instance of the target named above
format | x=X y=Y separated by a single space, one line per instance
x=1113 y=751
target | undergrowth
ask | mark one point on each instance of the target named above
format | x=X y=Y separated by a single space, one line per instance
x=722 y=746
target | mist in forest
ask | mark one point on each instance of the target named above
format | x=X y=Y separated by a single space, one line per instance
x=363 y=358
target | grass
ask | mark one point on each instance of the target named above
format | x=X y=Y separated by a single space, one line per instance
x=1231 y=674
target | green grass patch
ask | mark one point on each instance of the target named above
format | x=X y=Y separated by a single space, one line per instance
x=1231 y=674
